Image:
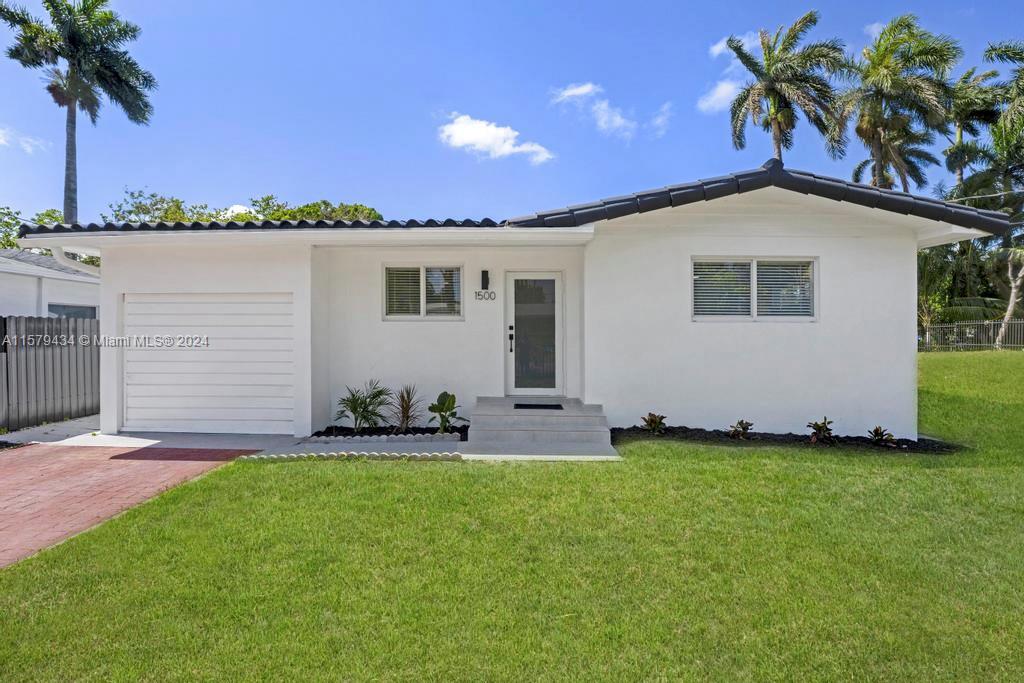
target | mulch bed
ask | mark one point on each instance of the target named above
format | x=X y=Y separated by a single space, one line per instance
x=334 y=430
x=721 y=437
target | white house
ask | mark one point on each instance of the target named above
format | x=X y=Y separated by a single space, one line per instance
x=771 y=295
x=37 y=285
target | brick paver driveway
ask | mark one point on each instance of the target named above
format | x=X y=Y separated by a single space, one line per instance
x=49 y=492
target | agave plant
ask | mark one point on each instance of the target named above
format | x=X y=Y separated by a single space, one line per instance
x=654 y=423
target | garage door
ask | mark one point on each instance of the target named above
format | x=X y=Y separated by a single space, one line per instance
x=242 y=382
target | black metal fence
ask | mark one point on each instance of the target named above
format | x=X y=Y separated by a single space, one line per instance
x=975 y=335
x=49 y=371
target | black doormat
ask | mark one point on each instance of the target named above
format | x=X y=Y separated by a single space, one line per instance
x=537 y=406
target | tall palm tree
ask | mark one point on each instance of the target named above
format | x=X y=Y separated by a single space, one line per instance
x=82 y=52
x=1011 y=53
x=899 y=82
x=904 y=155
x=999 y=186
x=786 y=80
x=973 y=103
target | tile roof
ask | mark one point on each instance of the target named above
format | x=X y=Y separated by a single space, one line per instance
x=771 y=174
x=40 y=260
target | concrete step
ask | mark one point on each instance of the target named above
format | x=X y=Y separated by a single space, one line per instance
x=555 y=420
x=551 y=451
x=601 y=436
x=495 y=405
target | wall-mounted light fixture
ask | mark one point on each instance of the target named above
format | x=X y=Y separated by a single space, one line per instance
x=485 y=280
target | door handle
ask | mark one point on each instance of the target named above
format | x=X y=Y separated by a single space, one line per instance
x=511 y=338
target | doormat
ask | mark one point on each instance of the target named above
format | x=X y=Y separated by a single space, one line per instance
x=537 y=406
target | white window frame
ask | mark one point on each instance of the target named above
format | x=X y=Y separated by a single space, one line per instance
x=753 y=317
x=422 y=316
x=94 y=307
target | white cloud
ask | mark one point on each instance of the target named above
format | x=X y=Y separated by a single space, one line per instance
x=486 y=137
x=719 y=97
x=660 y=121
x=874 y=30
x=610 y=120
x=575 y=91
x=607 y=118
x=27 y=143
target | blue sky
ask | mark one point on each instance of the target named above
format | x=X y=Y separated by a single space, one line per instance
x=458 y=109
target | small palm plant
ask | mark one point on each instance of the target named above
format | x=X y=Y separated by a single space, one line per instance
x=788 y=80
x=740 y=430
x=365 y=407
x=406 y=408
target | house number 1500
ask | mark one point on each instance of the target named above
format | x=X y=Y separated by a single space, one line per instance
x=486 y=295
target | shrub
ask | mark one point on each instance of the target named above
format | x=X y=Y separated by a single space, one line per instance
x=406 y=408
x=365 y=407
x=445 y=412
x=654 y=423
x=821 y=432
x=880 y=436
x=740 y=430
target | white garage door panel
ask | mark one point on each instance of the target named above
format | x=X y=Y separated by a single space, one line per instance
x=242 y=382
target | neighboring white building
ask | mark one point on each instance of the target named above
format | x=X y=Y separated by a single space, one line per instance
x=36 y=285
x=771 y=295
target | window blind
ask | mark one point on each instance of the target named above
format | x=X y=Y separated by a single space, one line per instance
x=785 y=288
x=444 y=291
x=402 y=291
x=721 y=288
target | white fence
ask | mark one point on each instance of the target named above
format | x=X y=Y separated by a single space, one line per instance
x=975 y=335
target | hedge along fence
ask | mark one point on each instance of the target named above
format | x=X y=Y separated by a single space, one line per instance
x=974 y=335
x=50 y=370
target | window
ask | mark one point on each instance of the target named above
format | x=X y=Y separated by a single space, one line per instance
x=754 y=289
x=66 y=311
x=422 y=292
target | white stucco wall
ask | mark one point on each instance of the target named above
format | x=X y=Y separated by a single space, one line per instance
x=32 y=295
x=856 y=363
x=175 y=269
x=466 y=356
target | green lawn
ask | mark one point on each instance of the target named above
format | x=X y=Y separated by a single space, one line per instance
x=683 y=561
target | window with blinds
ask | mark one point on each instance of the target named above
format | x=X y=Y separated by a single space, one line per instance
x=422 y=292
x=402 y=291
x=753 y=289
x=721 y=288
x=785 y=288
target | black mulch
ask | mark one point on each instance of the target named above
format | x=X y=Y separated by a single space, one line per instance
x=721 y=437
x=334 y=430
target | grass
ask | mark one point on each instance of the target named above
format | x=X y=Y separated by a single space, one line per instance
x=683 y=561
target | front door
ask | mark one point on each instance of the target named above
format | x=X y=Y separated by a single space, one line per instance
x=533 y=342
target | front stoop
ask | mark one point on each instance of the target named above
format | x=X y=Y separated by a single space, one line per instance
x=499 y=431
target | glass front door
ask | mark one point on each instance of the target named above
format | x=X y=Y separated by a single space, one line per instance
x=534 y=331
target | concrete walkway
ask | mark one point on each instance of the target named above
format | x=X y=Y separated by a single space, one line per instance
x=51 y=492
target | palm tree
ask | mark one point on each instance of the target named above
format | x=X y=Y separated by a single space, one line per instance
x=1011 y=53
x=899 y=82
x=974 y=103
x=999 y=186
x=788 y=79
x=904 y=154
x=1012 y=258
x=82 y=51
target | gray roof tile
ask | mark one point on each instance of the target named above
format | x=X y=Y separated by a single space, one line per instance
x=772 y=174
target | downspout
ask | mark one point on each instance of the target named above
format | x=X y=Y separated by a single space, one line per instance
x=65 y=260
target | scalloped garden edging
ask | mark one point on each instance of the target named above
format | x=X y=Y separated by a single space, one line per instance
x=444 y=456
